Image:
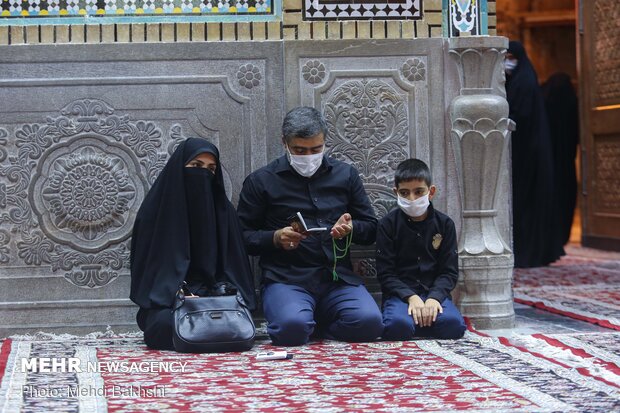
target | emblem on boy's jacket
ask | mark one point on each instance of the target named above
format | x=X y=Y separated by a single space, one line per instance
x=437 y=241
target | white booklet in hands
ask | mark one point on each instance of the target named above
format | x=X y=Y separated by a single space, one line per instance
x=299 y=224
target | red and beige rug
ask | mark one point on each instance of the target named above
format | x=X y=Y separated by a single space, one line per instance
x=537 y=373
x=475 y=374
x=595 y=355
x=585 y=285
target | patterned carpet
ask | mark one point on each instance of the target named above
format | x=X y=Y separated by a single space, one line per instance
x=585 y=285
x=521 y=373
x=475 y=374
x=595 y=355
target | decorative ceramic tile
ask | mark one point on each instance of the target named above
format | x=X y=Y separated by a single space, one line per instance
x=100 y=11
x=362 y=10
x=465 y=16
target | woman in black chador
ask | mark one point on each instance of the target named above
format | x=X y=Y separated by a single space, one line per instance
x=186 y=230
x=534 y=217
x=563 y=113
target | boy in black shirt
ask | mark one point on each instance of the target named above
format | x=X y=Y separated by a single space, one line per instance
x=417 y=261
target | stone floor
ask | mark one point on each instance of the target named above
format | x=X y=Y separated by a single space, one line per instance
x=530 y=320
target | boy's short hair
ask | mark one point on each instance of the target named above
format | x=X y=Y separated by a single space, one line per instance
x=412 y=169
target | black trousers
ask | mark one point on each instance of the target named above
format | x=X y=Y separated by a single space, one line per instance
x=157 y=324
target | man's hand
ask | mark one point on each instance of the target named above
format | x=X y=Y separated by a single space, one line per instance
x=287 y=238
x=342 y=227
x=416 y=305
x=429 y=313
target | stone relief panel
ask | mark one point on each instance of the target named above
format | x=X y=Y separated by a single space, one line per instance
x=4 y=248
x=368 y=121
x=375 y=116
x=83 y=191
x=376 y=99
x=72 y=185
x=72 y=178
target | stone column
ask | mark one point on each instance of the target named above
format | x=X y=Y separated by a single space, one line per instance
x=480 y=139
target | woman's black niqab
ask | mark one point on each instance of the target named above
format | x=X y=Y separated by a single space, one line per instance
x=187 y=229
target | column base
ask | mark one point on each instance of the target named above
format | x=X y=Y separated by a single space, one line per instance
x=484 y=291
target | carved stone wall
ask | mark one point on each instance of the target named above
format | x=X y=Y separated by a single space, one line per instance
x=377 y=99
x=85 y=129
x=383 y=103
x=84 y=132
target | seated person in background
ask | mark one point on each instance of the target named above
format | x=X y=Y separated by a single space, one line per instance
x=417 y=261
x=307 y=277
x=186 y=230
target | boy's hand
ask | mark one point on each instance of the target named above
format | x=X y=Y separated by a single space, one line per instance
x=342 y=227
x=416 y=305
x=429 y=314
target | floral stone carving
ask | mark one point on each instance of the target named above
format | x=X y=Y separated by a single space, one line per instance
x=70 y=187
x=83 y=193
x=368 y=127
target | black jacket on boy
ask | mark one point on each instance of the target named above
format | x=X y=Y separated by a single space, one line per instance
x=417 y=257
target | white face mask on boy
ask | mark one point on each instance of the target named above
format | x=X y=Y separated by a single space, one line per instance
x=415 y=208
x=305 y=165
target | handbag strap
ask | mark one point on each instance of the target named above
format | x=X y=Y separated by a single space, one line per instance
x=241 y=301
x=180 y=297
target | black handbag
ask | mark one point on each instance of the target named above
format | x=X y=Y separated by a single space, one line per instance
x=212 y=324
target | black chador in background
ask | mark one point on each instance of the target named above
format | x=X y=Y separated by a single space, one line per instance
x=534 y=217
x=563 y=113
x=186 y=229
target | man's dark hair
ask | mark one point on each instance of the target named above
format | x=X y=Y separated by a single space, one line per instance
x=303 y=122
x=412 y=169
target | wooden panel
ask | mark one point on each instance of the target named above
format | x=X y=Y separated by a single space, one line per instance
x=599 y=58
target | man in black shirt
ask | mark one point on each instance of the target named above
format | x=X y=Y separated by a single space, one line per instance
x=307 y=276
x=417 y=261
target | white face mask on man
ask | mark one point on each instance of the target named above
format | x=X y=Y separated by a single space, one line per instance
x=415 y=208
x=305 y=165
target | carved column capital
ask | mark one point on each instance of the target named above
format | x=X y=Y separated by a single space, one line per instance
x=480 y=137
x=477 y=58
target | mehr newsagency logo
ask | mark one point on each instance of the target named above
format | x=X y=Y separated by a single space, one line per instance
x=76 y=365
